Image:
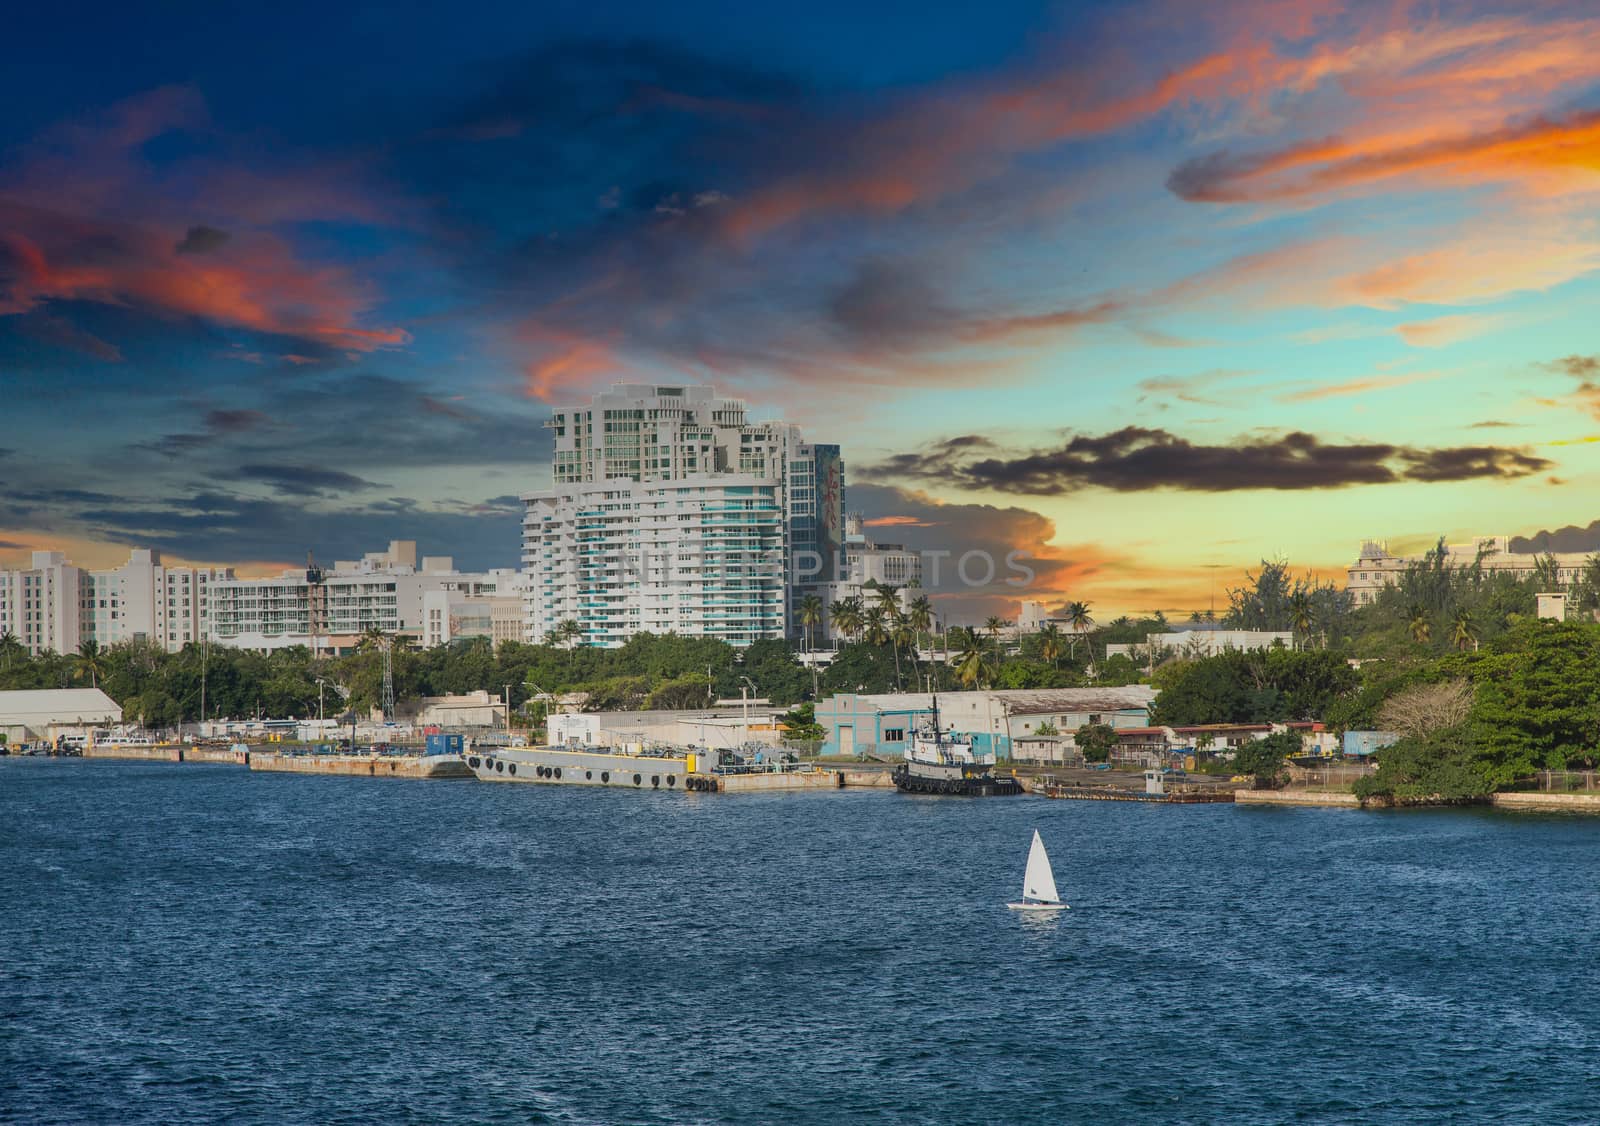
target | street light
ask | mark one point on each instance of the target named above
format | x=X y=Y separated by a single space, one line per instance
x=744 y=696
x=320 y=683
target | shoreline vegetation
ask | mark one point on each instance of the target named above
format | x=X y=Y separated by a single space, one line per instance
x=1482 y=694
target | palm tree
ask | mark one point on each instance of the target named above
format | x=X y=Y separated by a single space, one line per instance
x=1080 y=621
x=994 y=624
x=875 y=626
x=10 y=648
x=1463 y=632
x=920 y=614
x=972 y=665
x=848 y=616
x=1050 y=642
x=1421 y=629
x=1301 y=617
x=889 y=598
x=88 y=663
x=810 y=616
x=903 y=635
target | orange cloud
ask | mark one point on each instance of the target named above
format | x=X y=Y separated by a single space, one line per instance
x=565 y=362
x=1441 y=332
x=253 y=282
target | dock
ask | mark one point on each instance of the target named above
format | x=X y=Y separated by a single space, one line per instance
x=1207 y=796
x=362 y=766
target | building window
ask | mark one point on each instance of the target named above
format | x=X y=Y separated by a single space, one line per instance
x=894 y=734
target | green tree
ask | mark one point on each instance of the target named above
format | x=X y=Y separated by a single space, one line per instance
x=1263 y=759
x=88 y=662
x=1464 y=631
x=810 y=616
x=800 y=724
x=973 y=667
x=1095 y=741
x=1433 y=768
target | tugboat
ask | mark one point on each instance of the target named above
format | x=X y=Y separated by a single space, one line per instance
x=940 y=763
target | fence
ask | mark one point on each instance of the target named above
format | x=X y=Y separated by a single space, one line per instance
x=1342 y=775
x=1568 y=781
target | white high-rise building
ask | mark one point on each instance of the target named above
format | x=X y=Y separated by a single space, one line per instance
x=672 y=512
x=57 y=606
x=1375 y=567
x=39 y=604
x=333 y=608
x=146 y=600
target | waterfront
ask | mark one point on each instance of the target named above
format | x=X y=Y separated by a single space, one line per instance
x=202 y=943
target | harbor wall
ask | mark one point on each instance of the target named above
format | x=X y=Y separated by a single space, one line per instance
x=1296 y=797
x=138 y=754
x=362 y=766
x=871 y=779
x=788 y=780
x=1547 y=802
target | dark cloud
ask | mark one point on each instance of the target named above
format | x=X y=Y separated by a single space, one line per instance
x=233 y=421
x=1571 y=538
x=944 y=534
x=302 y=480
x=12 y=545
x=889 y=303
x=1579 y=367
x=225 y=526
x=201 y=240
x=1136 y=458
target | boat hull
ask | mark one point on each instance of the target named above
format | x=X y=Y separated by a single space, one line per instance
x=953 y=782
x=1037 y=906
x=578 y=768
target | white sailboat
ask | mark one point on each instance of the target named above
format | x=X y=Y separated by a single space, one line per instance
x=1038 y=882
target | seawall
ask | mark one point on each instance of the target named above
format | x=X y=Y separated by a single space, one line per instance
x=788 y=780
x=1546 y=802
x=362 y=766
x=139 y=754
x=1296 y=797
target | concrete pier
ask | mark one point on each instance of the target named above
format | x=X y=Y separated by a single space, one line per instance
x=136 y=754
x=1296 y=797
x=866 y=779
x=1541 y=802
x=788 y=780
x=363 y=766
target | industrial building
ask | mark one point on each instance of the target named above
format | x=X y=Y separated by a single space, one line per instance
x=46 y=713
x=995 y=720
x=671 y=511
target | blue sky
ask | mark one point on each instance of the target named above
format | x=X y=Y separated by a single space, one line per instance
x=1145 y=291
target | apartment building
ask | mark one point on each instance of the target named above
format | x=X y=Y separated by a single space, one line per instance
x=1376 y=567
x=672 y=511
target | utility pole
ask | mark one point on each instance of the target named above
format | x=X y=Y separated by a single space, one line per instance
x=508 y=711
x=205 y=656
x=320 y=683
x=744 y=697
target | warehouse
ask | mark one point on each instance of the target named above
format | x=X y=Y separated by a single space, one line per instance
x=44 y=713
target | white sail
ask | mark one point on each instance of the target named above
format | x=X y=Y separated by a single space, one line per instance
x=1039 y=882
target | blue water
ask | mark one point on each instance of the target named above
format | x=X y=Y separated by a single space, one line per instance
x=186 y=943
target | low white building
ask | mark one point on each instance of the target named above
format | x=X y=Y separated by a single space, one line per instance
x=47 y=712
x=1201 y=643
x=469 y=709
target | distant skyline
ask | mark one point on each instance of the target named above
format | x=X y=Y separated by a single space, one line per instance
x=1146 y=292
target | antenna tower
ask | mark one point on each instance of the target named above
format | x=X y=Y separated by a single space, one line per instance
x=388 y=678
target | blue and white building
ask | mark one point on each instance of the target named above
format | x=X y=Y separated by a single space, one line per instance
x=884 y=724
x=671 y=511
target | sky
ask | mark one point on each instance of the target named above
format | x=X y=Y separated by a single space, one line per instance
x=1143 y=292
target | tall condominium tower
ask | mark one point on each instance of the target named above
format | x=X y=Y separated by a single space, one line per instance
x=671 y=512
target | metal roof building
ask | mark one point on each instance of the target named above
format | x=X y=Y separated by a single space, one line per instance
x=36 y=713
x=884 y=724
